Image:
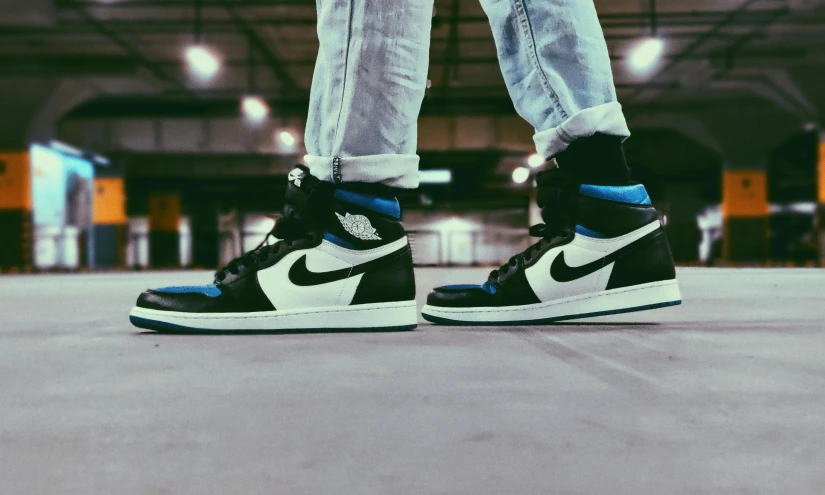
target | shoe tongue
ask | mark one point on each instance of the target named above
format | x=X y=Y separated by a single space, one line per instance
x=300 y=186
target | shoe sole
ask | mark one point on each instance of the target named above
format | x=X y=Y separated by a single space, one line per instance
x=609 y=302
x=379 y=317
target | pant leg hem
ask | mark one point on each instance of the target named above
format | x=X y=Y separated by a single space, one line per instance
x=605 y=119
x=399 y=171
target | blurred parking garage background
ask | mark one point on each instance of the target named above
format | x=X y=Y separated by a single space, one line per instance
x=159 y=133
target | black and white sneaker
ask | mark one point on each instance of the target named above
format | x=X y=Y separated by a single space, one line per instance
x=341 y=261
x=602 y=251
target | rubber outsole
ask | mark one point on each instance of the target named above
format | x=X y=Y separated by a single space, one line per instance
x=373 y=317
x=166 y=327
x=546 y=321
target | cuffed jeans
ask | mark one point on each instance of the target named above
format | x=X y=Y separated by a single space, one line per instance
x=371 y=75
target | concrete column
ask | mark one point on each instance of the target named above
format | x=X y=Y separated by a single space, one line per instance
x=205 y=235
x=745 y=149
x=745 y=213
x=109 y=215
x=164 y=236
x=15 y=211
x=820 y=221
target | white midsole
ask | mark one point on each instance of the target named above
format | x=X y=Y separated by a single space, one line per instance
x=636 y=296
x=378 y=315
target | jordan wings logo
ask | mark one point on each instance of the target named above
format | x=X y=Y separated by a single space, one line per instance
x=359 y=226
x=302 y=276
x=562 y=272
x=296 y=176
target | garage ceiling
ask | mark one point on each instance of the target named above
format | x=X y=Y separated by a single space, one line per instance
x=131 y=51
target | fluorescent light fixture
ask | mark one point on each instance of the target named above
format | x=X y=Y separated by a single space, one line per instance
x=454 y=224
x=439 y=176
x=203 y=64
x=535 y=160
x=101 y=160
x=645 y=55
x=255 y=108
x=520 y=175
x=286 y=138
x=64 y=148
x=802 y=207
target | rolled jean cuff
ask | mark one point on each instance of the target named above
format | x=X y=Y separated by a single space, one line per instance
x=399 y=171
x=605 y=119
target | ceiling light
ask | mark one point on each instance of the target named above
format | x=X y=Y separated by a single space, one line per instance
x=286 y=137
x=255 y=108
x=646 y=54
x=520 y=175
x=441 y=176
x=535 y=160
x=203 y=64
x=101 y=160
x=64 y=148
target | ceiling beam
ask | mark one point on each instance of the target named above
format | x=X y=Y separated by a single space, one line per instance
x=216 y=28
x=139 y=57
x=703 y=38
x=50 y=65
x=491 y=100
x=86 y=63
x=226 y=26
x=272 y=61
x=734 y=49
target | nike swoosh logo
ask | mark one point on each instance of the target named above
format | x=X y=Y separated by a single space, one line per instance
x=302 y=276
x=562 y=272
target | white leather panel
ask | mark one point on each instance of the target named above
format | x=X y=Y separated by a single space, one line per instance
x=283 y=294
x=581 y=251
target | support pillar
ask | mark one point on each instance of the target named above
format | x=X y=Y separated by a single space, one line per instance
x=164 y=236
x=205 y=235
x=15 y=211
x=820 y=221
x=745 y=213
x=109 y=215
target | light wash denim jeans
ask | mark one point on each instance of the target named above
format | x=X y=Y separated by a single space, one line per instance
x=371 y=74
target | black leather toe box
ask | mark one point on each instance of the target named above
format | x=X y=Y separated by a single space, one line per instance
x=187 y=302
x=461 y=296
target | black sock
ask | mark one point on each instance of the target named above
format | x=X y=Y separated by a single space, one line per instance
x=596 y=159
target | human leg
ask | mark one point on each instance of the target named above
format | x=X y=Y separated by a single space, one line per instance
x=367 y=89
x=554 y=60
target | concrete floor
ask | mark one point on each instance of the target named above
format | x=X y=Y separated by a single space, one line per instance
x=725 y=394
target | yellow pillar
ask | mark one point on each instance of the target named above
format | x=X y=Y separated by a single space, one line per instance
x=15 y=211
x=164 y=222
x=109 y=215
x=745 y=213
x=821 y=199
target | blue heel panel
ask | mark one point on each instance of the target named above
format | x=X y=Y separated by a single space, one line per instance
x=635 y=194
x=384 y=206
x=338 y=241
